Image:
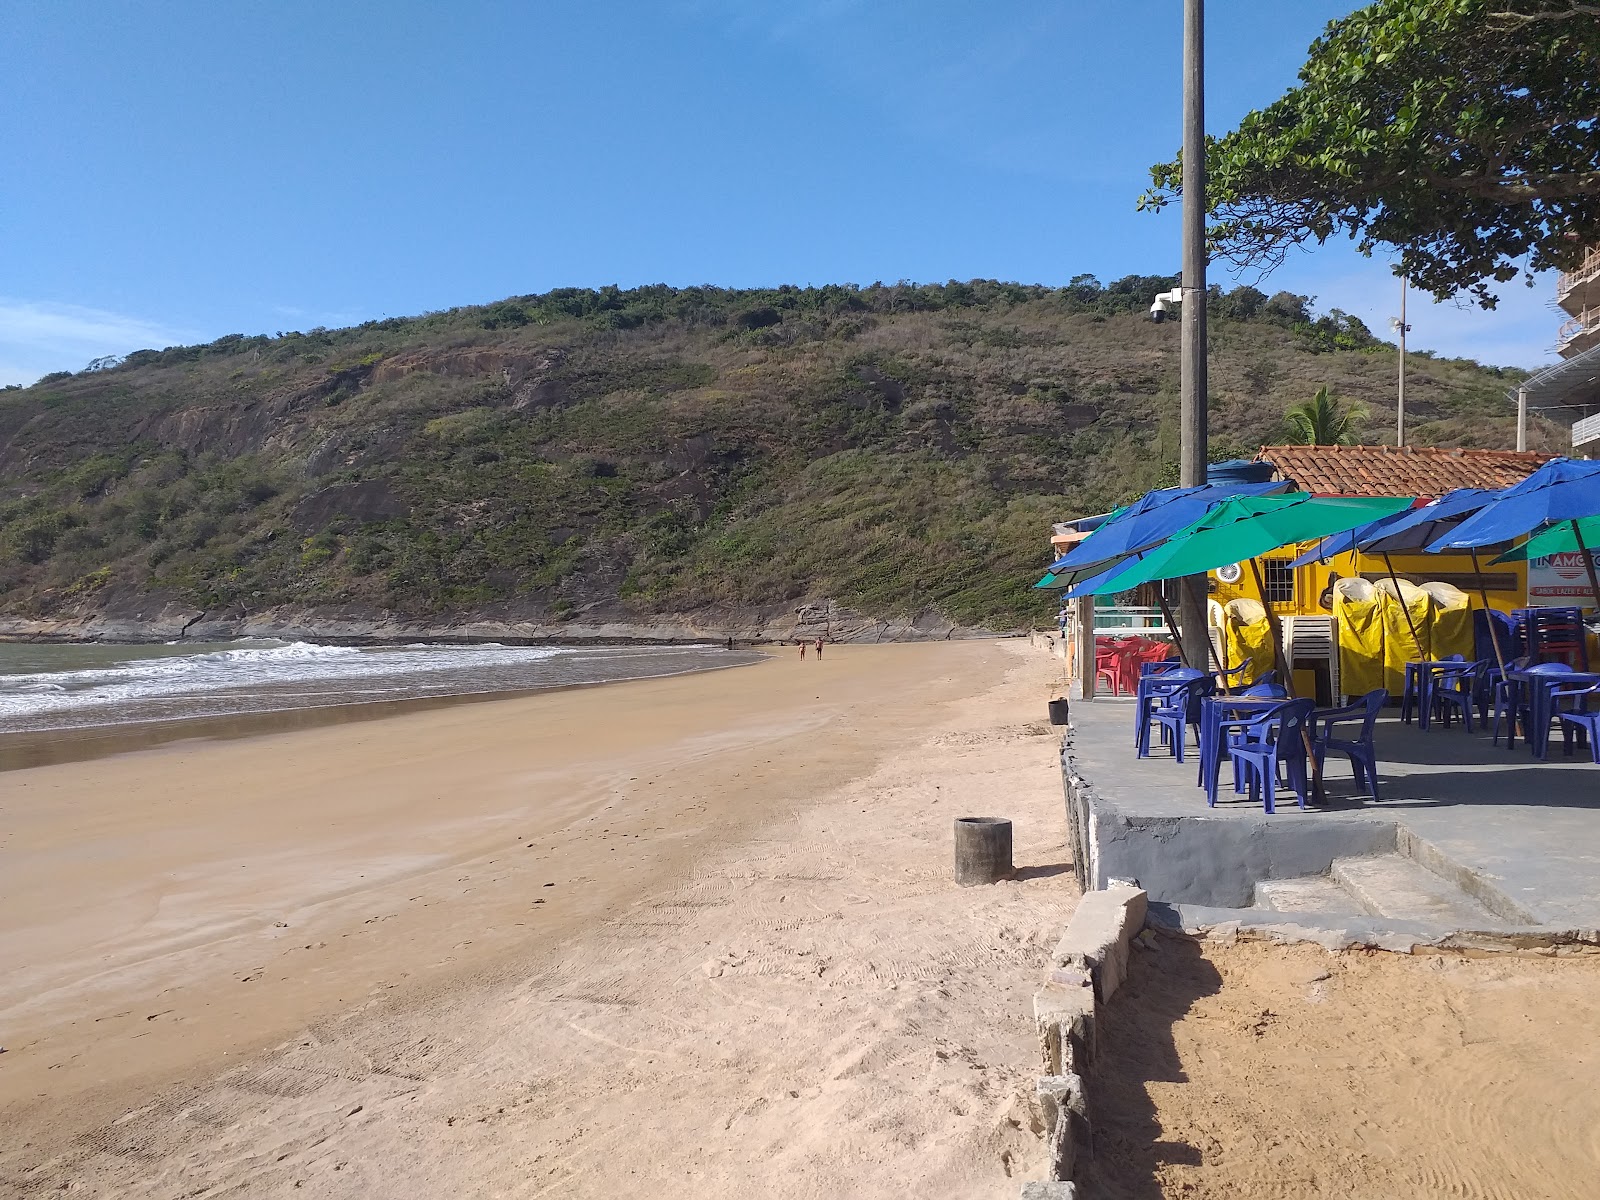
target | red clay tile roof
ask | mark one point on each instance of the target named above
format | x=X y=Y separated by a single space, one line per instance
x=1391 y=471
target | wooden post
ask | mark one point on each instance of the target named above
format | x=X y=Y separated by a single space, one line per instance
x=1400 y=599
x=1172 y=624
x=1588 y=564
x=983 y=850
x=1488 y=612
x=1085 y=646
x=1193 y=394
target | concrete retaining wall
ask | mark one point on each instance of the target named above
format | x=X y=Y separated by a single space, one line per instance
x=1051 y=643
x=1210 y=861
x=1087 y=967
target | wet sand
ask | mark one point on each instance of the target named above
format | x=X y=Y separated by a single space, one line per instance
x=695 y=933
x=84 y=743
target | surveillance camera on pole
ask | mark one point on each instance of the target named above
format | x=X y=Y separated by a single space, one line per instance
x=1164 y=303
x=1398 y=324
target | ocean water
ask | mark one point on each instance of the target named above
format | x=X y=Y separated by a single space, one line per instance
x=66 y=687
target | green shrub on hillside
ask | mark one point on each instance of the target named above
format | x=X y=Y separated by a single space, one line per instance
x=897 y=448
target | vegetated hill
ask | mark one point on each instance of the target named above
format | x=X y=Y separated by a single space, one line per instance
x=632 y=456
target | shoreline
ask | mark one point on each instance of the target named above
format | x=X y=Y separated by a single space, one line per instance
x=26 y=749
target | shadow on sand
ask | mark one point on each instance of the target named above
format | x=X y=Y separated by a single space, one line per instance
x=1136 y=1048
x=1042 y=871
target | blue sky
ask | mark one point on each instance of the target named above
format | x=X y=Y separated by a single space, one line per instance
x=183 y=169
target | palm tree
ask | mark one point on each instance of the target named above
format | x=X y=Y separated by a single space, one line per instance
x=1323 y=421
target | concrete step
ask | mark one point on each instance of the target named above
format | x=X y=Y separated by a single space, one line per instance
x=1392 y=885
x=1307 y=893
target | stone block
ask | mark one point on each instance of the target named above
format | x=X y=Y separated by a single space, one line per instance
x=1052 y=1189
x=1064 y=1019
x=1097 y=937
x=1066 y=1121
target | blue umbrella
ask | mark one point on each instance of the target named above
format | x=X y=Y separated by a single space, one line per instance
x=1408 y=530
x=1151 y=519
x=1346 y=542
x=1563 y=490
x=1427 y=523
x=1089 y=585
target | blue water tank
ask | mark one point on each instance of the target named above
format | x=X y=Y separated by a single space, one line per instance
x=1240 y=470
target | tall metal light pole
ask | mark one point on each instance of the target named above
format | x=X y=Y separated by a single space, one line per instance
x=1400 y=388
x=1192 y=451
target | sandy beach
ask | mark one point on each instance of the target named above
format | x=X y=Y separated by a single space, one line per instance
x=695 y=934
x=1262 y=1072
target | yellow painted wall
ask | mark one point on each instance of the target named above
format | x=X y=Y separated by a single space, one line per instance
x=1312 y=581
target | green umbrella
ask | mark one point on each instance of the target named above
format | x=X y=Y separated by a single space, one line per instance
x=1248 y=526
x=1244 y=528
x=1558 y=539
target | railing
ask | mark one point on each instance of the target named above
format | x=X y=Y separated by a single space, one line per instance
x=1130 y=619
x=1586 y=322
x=1581 y=274
x=1586 y=430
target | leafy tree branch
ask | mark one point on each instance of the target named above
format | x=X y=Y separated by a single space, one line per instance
x=1462 y=134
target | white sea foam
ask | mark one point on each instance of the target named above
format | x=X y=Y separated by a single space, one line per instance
x=259 y=675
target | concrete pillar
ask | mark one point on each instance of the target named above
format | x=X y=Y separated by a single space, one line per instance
x=1522 y=418
x=983 y=850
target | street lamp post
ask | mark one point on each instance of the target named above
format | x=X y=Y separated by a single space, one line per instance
x=1192 y=359
x=1399 y=325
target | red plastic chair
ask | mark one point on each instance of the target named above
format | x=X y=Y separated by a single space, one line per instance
x=1111 y=658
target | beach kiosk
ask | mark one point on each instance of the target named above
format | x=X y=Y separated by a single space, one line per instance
x=1336 y=610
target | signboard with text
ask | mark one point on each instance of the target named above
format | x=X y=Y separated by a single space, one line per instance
x=1560 y=579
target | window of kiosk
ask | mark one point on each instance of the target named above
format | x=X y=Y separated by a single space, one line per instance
x=1277 y=577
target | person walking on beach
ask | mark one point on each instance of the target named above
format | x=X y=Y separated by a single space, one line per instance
x=819 y=647
x=802 y=649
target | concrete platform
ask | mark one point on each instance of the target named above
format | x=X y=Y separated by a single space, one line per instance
x=1393 y=885
x=1513 y=843
x=1307 y=894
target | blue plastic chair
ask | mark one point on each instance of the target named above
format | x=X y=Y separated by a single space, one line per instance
x=1457 y=687
x=1417 y=695
x=1274 y=740
x=1173 y=709
x=1266 y=690
x=1163 y=666
x=1503 y=692
x=1224 y=678
x=1582 y=722
x=1152 y=685
x=1538 y=738
x=1361 y=752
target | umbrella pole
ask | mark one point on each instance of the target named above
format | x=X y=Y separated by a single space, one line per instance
x=1166 y=612
x=1405 y=609
x=1211 y=649
x=1317 y=793
x=1488 y=613
x=1588 y=564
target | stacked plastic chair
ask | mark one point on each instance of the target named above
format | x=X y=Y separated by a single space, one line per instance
x=1556 y=635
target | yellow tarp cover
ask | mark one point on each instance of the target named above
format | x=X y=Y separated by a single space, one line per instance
x=1359 y=615
x=1399 y=645
x=1249 y=639
x=1450 y=630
